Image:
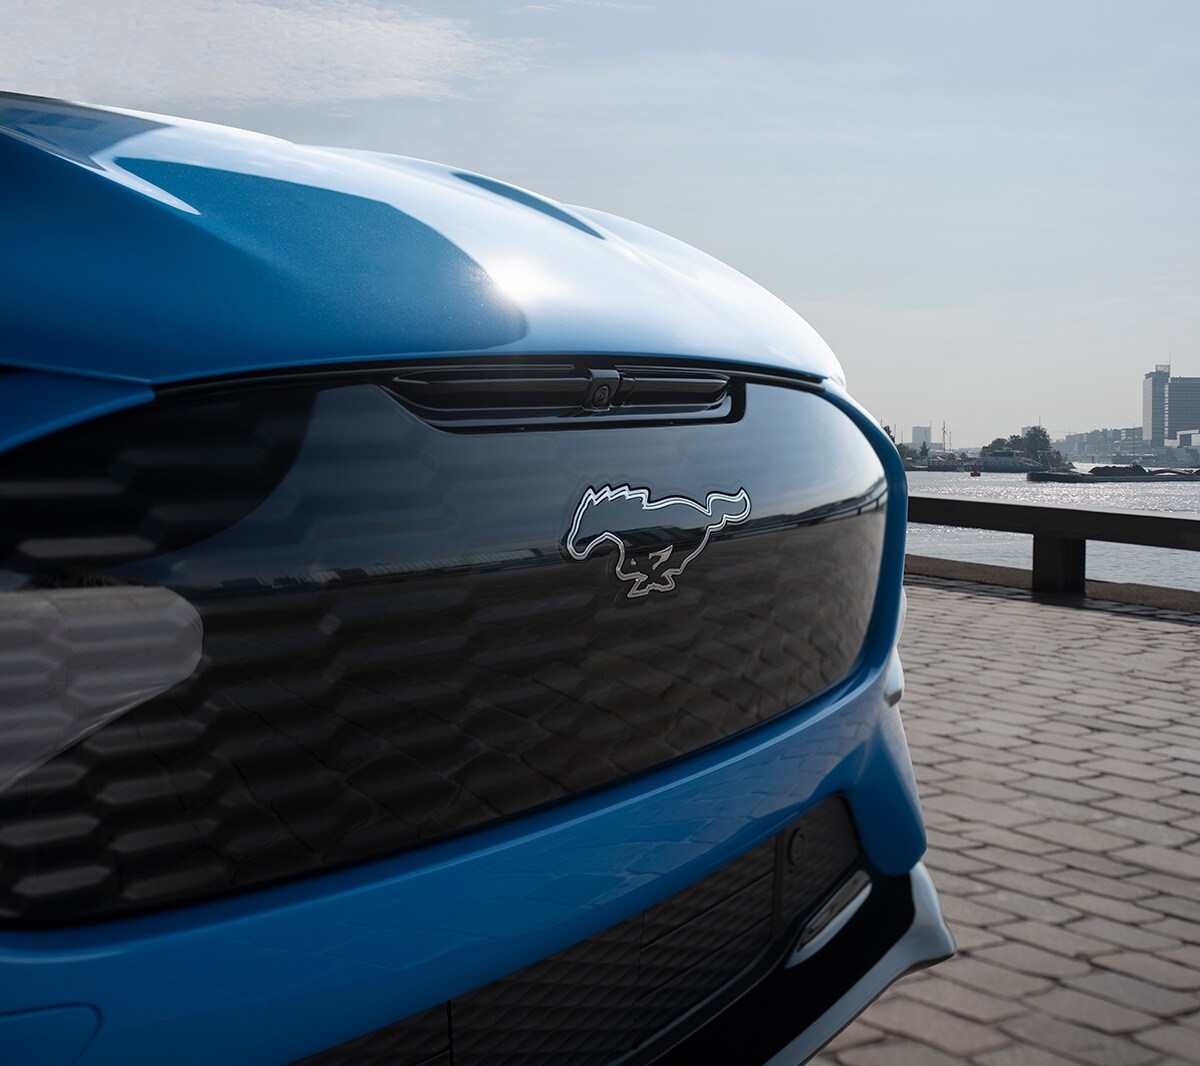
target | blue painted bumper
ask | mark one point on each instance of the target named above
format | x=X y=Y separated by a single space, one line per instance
x=280 y=973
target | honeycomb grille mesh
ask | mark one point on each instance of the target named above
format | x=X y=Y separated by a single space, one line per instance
x=609 y=997
x=390 y=656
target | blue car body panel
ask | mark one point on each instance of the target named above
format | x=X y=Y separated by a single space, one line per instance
x=33 y=404
x=207 y=251
x=156 y=251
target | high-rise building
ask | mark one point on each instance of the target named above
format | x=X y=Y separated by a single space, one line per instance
x=922 y=435
x=1154 y=405
x=1182 y=405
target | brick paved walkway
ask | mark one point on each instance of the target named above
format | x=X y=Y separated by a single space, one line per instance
x=1058 y=754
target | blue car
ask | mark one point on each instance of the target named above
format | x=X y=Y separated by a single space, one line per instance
x=437 y=625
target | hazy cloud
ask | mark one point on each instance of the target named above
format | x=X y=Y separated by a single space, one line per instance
x=237 y=53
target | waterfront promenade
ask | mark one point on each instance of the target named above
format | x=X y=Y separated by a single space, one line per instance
x=1057 y=749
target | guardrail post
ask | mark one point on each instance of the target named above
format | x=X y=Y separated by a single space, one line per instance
x=1059 y=564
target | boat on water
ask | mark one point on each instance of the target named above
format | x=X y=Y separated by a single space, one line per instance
x=1098 y=474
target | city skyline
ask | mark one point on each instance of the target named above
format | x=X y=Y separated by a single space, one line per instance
x=987 y=210
x=904 y=431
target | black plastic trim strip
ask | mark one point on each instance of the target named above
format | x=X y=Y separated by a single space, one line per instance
x=379 y=372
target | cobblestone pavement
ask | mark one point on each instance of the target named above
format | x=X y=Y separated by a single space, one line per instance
x=1058 y=753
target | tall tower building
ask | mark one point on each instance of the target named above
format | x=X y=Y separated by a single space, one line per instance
x=1183 y=405
x=1154 y=405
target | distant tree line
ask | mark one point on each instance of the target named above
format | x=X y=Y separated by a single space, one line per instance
x=1033 y=445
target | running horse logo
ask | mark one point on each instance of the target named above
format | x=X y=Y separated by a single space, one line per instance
x=655 y=540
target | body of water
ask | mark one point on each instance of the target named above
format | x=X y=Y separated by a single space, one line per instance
x=1105 y=562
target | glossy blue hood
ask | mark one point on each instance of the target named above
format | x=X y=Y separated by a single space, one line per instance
x=148 y=249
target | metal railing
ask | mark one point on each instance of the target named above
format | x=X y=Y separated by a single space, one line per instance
x=1060 y=534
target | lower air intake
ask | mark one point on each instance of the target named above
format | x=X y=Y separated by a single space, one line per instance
x=633 y=990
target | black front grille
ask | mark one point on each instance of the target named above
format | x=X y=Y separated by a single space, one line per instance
x=397 y=645
x=632 y=991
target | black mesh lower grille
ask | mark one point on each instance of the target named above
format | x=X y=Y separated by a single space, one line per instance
x=612 y=997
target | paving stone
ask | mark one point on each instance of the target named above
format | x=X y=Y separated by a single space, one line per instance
x=1122 y=740
x=1000 y=734
x=1176 y=928
x=1024 y=1055
x=1126 y=936
x=963 y=749
x=970 y=938
x=1118 y=910
x=953 y=861
x=1185 y=801
x=1105 y=865
x=1127 y=768
x=1060 y=810
x=1146 y=810
x=1015 y=903
x=1152 y=968
x=1072 y=791
x=1187 y=783
x=1076 y=1041
x=945 y=832
x=967 y=809
x=1128 y=786
x=957 y=885
x=1055 y=938
x=961 y=1000
x=1027 y=884
x=1174 y=861
x=1190 y=825
x=979 y=770
x=1092 y=1011
x=939 y=1028
x=1055 y=771
x=1006 y=838
x=1103 y=886
x=995 y=980
x=1174 y=1039
x=1080 y=837
x=1033 y=960
x=988 y=791
x=1112 y=751
x=972 y=912
x=1189 y=753
x=897 y=1053
x=1185 y=955
x=1187 y=909
x=1004 y=859
x=1141 y=995
x=1055 y=753
x=1144 y=832
x=1170 y=885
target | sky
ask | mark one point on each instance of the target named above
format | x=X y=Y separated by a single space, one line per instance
x=990 y=209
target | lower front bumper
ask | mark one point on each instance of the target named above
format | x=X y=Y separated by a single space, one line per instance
x=274 y=975
x=700 y=977
x=793 y=1012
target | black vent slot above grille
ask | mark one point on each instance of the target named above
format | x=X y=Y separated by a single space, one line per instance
x=467 y=397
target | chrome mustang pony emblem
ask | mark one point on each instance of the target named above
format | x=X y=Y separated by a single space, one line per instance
x=655 y=539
